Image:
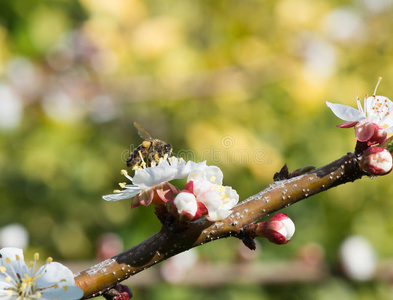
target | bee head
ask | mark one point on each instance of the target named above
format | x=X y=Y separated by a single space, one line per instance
x=168 y=148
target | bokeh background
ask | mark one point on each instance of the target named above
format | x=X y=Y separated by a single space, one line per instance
x=241 y=84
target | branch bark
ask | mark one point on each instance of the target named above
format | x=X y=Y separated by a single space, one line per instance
x=164 y=244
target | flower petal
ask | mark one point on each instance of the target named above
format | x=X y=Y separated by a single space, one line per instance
x=57 y=282
x=345 y=112
x=128 y=193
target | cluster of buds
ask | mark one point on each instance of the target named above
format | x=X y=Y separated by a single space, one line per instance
x=372 y=125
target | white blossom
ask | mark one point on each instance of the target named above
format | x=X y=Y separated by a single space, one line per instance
x=20 y=282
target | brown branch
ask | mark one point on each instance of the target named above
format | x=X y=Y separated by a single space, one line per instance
x=165 y=244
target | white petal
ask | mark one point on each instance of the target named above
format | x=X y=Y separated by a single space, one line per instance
x=124 y=194
x=56 y=273
x=17 y=262
x=164 y=172
x=345 y=112
x=186 y=203
x=210 y=173
x=289 y=228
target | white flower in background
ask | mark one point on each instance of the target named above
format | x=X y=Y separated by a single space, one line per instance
x=372 y=122
x=14 y=235
x=19 y=282
x=148 y=182
x=358 y=258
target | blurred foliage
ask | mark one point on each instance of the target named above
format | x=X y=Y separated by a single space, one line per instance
x=241 y=84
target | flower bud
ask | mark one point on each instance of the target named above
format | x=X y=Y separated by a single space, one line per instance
x=119 y=292
x=376 y=161
x=186 y=205
x=370 y=132
x=278 y=230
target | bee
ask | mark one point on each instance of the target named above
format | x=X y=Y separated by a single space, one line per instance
x=150 y=151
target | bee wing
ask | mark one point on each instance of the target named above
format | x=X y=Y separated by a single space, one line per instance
x=143 y=132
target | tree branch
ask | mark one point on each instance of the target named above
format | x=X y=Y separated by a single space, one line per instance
x=165 y=243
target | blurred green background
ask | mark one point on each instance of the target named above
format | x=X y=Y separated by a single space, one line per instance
x=241 y=84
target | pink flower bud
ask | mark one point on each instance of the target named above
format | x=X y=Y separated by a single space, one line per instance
x=376 y=161
x=278 y=230
x=370 y=132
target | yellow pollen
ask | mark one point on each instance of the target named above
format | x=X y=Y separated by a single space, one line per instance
x=116 y=191
x=213 y=178
x=36 y=256
x=146 y=144
x=65 y=287
x=55 y=286
x=3 y=269
x=122 y=185
x=156 y=157
x=17 y=257
x=49 y=260
x=180 y=159
x=8 y=261
x=38 y=294
x=8 y=279
x=135 y=167
x=123 y=172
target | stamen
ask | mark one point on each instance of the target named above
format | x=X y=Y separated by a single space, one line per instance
x=122 y=185
x=143 y=164
x=116 y=191
x=379 y=80
x=123 y=172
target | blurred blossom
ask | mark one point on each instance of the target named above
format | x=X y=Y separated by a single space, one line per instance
x=60 y=57
x=358 y=258
x=345 y=25
x=14 y=235
x=102 y=109
x=24 y=77
x=377 y=6
x=154 y=37
x=175 y=268
x=75 y=48
x=11 y=108
x=320 y=58
x=60 y=107
x=109 y=244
